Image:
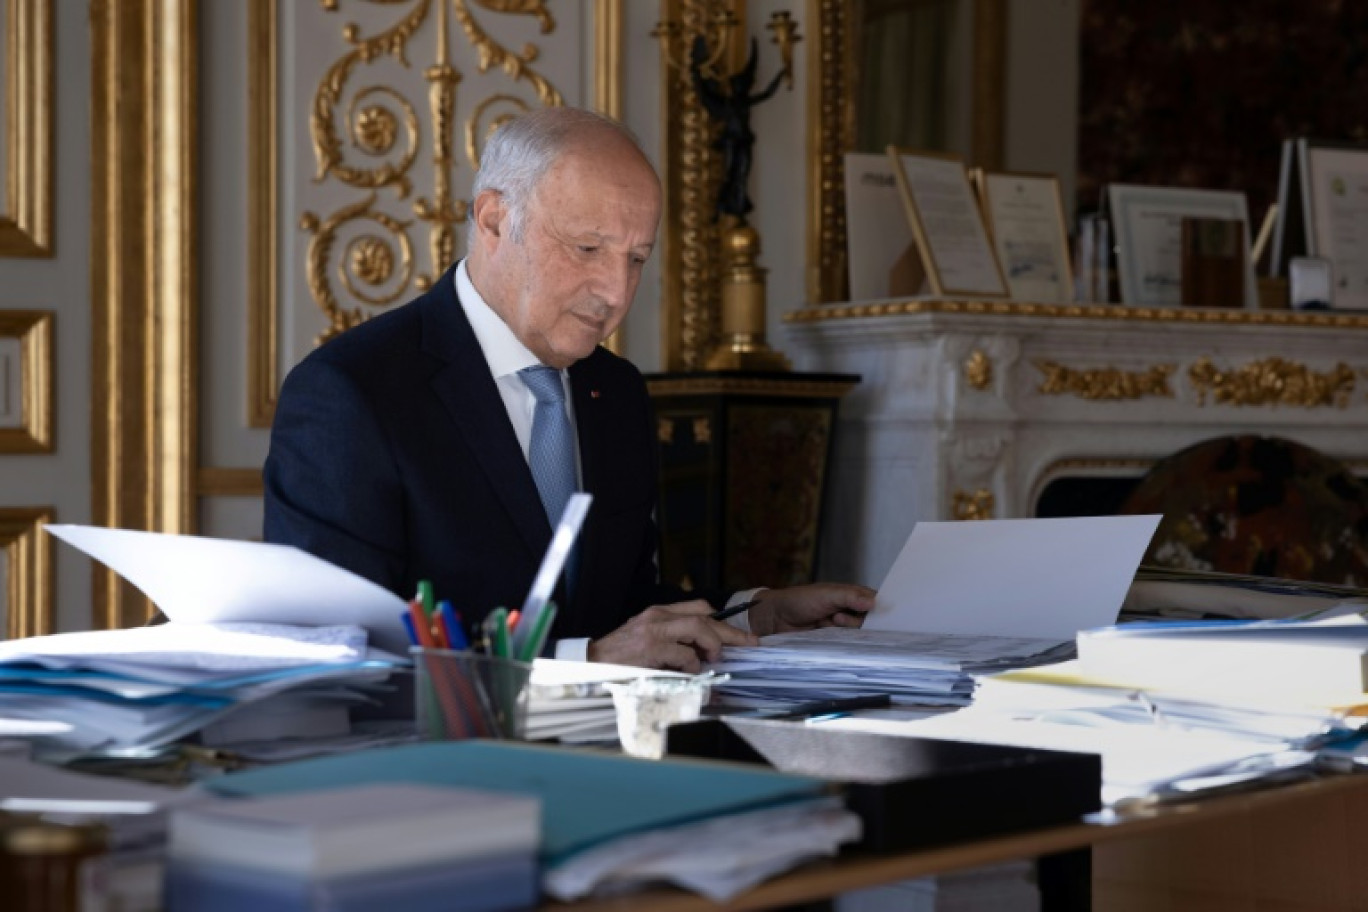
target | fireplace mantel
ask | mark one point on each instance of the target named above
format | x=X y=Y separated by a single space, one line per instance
x=968 y=409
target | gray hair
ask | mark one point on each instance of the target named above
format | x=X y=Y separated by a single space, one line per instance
x=525 y=148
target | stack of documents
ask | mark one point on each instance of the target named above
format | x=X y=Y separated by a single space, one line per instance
x=1178 y=709
x=962 y=599
x=926 y=669
x=355 y=848
x=1162 y=591
x=1327 y=654
x=131 y=692
x=605 y=817
x=570 y=702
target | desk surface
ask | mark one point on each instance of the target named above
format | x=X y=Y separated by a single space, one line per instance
x=826 y=879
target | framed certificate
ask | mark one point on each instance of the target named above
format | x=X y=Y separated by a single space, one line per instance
x=1148 y=222
x=946 y=221
x=1025 y=216
x=1335 y=196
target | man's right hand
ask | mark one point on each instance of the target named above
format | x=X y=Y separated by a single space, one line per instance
x=679 y=637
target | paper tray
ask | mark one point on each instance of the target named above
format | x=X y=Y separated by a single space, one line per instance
x=912 y=792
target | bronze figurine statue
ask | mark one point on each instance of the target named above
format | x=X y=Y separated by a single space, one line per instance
x=729 y=102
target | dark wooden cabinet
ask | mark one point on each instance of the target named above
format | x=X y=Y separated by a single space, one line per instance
x=744 y=459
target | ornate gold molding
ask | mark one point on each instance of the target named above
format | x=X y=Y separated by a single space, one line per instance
x=970 y=505
x=988 y=126
x=978 y=370
x=608 y=70
x=690 y=254
x=1272 y=381
x=263 y=238
x=28 y=558
x=387 y=257
x=228 y=482
x=608 y=63
x=831 y=132
x=1220 y=316
x=706 y=385
x=1104 y=382
x=26 y=228
x=33 y=329
x=144 y=278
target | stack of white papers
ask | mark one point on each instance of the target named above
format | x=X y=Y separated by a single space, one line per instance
x=719 y=857
x=131 y=692
x=569 y=702
x=962 y=599
x=924 y=669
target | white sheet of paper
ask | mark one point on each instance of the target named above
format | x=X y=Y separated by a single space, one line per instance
x=201 y=580
x=1045 y=578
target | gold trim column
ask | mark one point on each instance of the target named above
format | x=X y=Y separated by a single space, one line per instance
x=26 y=59
x=28 y=553
x=608 y=68
x=143 y=278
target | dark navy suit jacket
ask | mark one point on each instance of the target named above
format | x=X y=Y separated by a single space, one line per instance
x=392 y=455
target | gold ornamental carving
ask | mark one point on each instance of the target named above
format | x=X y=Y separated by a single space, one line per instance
x=978 y=370
x=1272 y=381
x=691 y=256
x=665 y=431
x=973 y=505
x=1105 y=383
x=383 y=123
x=324 y=233
x=702 y=430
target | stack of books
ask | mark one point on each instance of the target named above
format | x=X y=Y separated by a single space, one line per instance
x=362 y=847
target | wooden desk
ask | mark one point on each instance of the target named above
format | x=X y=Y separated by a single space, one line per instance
x=1298 y=846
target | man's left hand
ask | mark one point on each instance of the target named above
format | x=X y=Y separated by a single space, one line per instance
x=810 y=606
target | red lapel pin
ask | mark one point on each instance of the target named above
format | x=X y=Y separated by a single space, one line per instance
x=594 y=394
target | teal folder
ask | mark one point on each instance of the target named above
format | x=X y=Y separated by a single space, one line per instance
x=587 y=797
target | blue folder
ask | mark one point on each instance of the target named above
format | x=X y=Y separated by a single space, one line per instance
x=587 y=797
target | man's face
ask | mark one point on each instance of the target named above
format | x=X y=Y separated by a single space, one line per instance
x=588 y=229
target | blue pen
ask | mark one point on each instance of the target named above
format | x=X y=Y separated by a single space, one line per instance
x=451 y=621
x=409 y=628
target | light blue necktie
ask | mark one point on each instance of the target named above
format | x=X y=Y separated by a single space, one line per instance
x=552 y=451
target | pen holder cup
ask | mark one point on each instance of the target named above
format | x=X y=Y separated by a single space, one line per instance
x=469 y=695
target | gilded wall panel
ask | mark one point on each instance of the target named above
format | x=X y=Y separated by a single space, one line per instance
x=366 y=132
x=26 y=570
x=26 y=128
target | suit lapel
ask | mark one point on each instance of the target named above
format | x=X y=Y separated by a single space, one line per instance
x=593 y=438
x=472 y=400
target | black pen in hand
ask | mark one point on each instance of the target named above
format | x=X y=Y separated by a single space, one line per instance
x=733 y=610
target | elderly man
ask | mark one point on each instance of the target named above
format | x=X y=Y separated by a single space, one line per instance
x=415 y=446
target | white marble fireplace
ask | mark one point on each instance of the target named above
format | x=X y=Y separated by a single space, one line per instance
x=970 y=408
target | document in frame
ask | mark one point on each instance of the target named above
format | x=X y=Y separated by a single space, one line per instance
x=199 y=580
x=1047 y=578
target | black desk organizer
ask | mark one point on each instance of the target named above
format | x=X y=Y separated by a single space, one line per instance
x=912 y=792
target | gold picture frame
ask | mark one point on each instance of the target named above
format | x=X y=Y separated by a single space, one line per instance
x=26 y=81
x=1024 y=214
x=953 y=243
x=33 y=398
x=28 y=555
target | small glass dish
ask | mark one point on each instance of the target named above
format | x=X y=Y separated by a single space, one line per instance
x=649 y=705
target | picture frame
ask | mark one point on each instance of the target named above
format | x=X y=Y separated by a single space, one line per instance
x=1024 y=213
x=1335 y=212
x=943 y=211
x=1148 y=226
x=26 y=401
x=881 y=250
